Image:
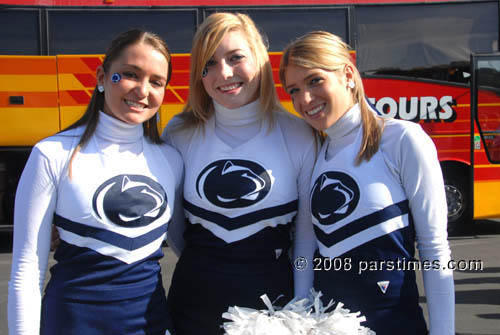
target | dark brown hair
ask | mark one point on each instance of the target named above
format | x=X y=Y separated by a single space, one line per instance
x=90 y=118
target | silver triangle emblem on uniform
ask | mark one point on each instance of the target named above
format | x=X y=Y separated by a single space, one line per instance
x=383 y=285
x=278 y=252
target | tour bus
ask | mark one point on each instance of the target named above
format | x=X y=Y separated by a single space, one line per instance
x=434 y=62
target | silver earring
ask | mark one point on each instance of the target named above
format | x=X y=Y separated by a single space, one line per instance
x=351 y=84
x=100 y=88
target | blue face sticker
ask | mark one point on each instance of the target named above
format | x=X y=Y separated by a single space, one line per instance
x=116 y=77
x=204 y=73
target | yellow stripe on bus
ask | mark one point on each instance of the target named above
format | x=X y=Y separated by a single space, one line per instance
x=289 y=107
x=167 y=112
x=487 y=166
x=43 y=122
x=489 y=105
x=70 y=114
x=486 y=205
x=28 y=83
x=67 y=82
x=451 y=135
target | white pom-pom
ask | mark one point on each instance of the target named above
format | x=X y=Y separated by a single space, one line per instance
x=298 y=317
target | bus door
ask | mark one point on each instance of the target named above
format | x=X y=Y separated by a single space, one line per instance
x=485 y=158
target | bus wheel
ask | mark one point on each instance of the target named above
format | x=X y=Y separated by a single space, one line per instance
x=458 y=203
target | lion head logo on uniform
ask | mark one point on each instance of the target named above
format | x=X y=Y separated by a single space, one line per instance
x=129 y=200
x=233 y=183
x=334 y=196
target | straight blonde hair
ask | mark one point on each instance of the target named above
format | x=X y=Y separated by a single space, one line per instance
x=326 y=51
x=199 y=106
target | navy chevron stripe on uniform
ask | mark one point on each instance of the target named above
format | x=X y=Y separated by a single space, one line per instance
x=118 y=240
x=362 y=223
x=242 y=220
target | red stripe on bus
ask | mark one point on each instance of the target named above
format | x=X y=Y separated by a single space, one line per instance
x=87 y=79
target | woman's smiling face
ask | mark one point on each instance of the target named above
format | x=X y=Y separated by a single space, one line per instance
x=138 y=95
x=232 y=78
x=320 y=97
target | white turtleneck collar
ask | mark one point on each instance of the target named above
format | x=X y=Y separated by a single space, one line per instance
x=247 y=114
x=350 y=121
x=236 y=126
x=344 y=131
x=116 y=131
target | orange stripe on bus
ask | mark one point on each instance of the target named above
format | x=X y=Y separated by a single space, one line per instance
x=450 y=135
x=75 y=65
x=31 y=99
x=27 y=65
x=92 y=62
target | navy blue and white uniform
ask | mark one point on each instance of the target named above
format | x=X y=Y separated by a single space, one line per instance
x=367 y=218
x=112 y=216
x=241 y=197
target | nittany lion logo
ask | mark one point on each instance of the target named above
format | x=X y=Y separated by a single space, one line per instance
x=334 y=196
x=129 y=201
x=233 y=183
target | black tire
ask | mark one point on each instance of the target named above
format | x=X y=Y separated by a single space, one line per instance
x=458 y=200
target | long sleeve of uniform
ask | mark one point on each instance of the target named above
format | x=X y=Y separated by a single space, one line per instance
x=34 y=209
x=178 y=224
x=174 y=235
x=304 y=242
x=415 y=158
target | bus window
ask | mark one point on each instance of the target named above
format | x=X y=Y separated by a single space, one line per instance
x=283 y=25
x=488 y=109
x=19 y=33
x=431 y=41
x=78 y=32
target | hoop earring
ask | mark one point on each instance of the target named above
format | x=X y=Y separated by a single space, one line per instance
x=100 y=88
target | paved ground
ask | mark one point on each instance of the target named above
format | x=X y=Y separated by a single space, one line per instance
x=477 y=292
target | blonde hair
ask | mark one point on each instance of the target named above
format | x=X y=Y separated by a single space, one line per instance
x=326 y=51
x=209 y=35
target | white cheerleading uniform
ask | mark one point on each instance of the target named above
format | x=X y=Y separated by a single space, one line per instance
x=367 y=218
x=261 y=200
x=240 y=200
x=112 y=217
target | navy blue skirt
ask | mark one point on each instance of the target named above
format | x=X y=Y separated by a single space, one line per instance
x=204 y=286
x=145 y=315
x=395 y=311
